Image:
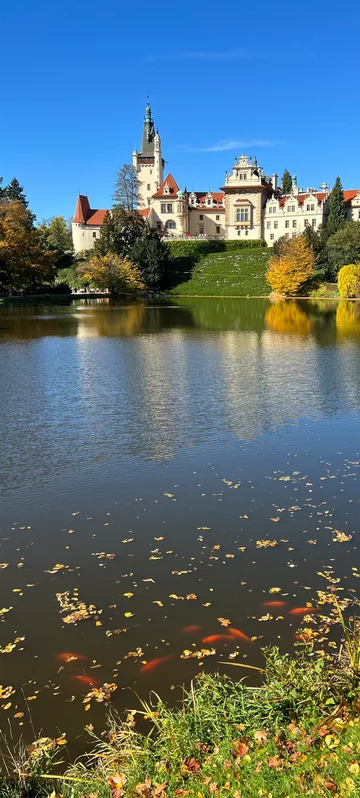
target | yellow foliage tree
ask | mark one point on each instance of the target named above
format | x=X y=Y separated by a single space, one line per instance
x=349 y=281
x=111 y=272
x=287 y=272
x=24 y=263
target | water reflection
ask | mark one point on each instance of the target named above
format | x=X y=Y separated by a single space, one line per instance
x=95 y=382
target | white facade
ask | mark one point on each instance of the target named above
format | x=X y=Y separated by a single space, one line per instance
x=248 y=206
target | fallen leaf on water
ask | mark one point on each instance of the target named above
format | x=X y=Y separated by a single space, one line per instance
x=224 y=621
x=128 y=614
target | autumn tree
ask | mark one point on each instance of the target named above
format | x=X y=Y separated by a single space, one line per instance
x=111 y=272
x=337 y=208
x=286 y=182
x=287 y=272
x=126 y=194
x=349 y=281
x=24 y=263
x=2 y=189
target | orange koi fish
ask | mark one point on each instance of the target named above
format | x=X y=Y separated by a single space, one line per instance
x=86 y=680
x=215 y=638
x=274 y=604
x=238 y=633
x=154 y=663
x=303 y=610
x=191 y=630
x=67 y=656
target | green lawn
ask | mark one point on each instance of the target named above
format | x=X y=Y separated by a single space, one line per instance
x=222 y=274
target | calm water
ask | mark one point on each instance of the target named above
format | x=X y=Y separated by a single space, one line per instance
x=161 y=435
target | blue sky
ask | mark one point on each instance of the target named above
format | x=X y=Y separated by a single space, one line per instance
x=278 y=80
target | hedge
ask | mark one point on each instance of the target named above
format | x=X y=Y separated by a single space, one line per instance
x=194 y=248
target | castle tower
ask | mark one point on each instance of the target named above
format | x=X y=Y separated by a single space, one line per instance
x=149 y=162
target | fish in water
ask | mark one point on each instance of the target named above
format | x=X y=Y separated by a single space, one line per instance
x=154 y=663
x=274 y=604
x=303 y=610
x=67 y=656
x=89 y=680
x=238 y=633
x=215 y=638
x=191 y=630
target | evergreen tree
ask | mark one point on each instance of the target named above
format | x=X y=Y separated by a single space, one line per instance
x=286 y=183
x=119 y=231
x=343 y=247
x=2 y=190
x=14 y=192
x=337 y=208
x=151 y=255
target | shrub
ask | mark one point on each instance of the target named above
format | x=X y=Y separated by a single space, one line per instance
x=151 y=255
x=349 y=281
x=287 y=272
x=111 y=272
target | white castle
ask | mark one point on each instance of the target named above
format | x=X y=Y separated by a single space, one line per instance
x=248 y=205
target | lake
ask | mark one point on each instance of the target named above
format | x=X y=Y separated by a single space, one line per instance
x=163 y=466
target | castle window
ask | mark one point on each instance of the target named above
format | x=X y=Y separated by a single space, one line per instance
x=163 y=207
x=294 y=222
x=201 y=230
x=313 y=222
x=170 y=224
x=217 y=218
x=310 y=207
x=276 y=225
x=239 y=232
x=241 y=175
x=306 y=222
x=242 y=214
x=169 y=207
x=246 y=232
x=218 y=229
x=268 y=225
x=209 y=201
x=151 y=171
x=148 y=186
x=149 y=200
x=201 y=217
x=272 y=237
x=291 y=208
x=192 y=200
x=287 y=223
x=94 y=235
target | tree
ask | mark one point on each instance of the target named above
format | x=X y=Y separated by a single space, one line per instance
x=316 y=239
x=2 y=189
x=55 y=234
x=286 y=183
x=151 y=255
x=337 y=208
x=349 y=281
x=24 y=263
x=343 y=247
x=126 y=194
x=119 y=231
x=111 y=272
x=287 y=272
x=14 y=192
x=70 y=276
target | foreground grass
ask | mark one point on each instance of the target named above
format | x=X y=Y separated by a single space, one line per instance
x=223 y=274
x=297 y=733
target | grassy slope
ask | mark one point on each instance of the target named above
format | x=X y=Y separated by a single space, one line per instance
x=226 y=274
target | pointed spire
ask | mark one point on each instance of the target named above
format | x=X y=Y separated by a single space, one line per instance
x=147 y=142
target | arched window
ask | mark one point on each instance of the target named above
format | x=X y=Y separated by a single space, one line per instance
x=170 y=224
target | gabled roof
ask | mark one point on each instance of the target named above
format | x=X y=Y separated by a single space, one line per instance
x=319 y=195
x=173 y=186
x=144 y=212
x=86 y=215
x=201 y=196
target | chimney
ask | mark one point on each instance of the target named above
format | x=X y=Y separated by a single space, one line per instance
x=274 y=180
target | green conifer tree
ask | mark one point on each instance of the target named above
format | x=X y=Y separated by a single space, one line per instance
x=337 y=208
x=286 y=182
x=14 y=192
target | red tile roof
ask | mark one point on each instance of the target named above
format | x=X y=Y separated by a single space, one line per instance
x=82 y=209
x=144 y=212
x=86 y=215
x=320 y=196
x=173 y=186
x=201 y=196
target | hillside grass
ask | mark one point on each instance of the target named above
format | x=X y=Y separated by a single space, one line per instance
x=239 y=273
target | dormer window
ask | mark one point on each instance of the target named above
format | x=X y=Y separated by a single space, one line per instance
x=166 y=188
x=192 y=200
x=209 y=201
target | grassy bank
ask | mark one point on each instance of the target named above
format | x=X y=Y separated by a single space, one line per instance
x=293 y=731
x=238 y=273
